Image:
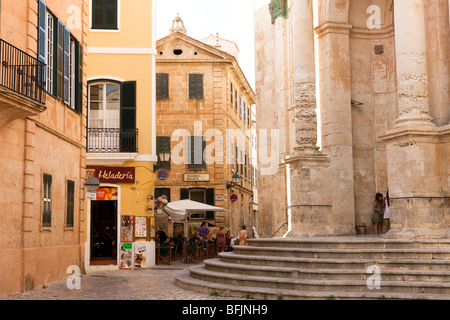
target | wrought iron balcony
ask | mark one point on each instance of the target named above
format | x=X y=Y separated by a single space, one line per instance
x=22 y=84
x=22 y=73
x=108 y=140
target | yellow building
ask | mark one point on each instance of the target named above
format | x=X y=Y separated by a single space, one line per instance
x=42 y=143
x=121 y=149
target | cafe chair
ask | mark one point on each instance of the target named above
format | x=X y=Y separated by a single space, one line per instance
x=164 y=253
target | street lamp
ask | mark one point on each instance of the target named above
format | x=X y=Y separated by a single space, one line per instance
x=164 y=154
x=235 y=180
x=163 y=157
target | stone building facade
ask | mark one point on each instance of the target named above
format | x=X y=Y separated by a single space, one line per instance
x=42 y=140
x=359 y=92
x=204 y=117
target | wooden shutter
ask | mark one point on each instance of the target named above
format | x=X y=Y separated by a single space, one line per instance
x=210 y=199
x=60 y=61
x=162 y=86
x=79 y=78
x=184 y=194
x=162 y=192
x=128 y=139
x=42 y=31
x=70 y=203
x=196 y=86
x=104 y=14
x=47 y=201
x=66 y=66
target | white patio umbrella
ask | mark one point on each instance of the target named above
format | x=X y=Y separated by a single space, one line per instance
x=175 y=210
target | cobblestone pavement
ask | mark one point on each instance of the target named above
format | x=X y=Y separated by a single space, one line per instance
x=156 y=283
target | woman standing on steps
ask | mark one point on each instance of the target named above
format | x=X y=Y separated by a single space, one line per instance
x=377 y=216
x=387 y=216
x=243 y=236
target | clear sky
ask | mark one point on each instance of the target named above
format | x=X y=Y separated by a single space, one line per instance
x=232 y=19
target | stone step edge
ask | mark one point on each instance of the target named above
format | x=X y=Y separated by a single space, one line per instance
x=218 y=263
x=341 y=250
x=353 y=240
x=189 y=283
x=327 y=260
x=201 y=270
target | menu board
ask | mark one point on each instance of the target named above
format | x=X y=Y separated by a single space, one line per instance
x=127 y=229
x=140 y=227
x=126 y=254
x=140 y=254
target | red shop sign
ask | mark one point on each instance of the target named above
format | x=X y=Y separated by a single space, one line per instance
x=112 y=174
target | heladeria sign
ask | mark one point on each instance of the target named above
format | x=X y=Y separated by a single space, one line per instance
x=112 y=174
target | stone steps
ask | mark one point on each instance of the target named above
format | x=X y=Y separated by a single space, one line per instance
x=431 y=254
x=417 y=287
x=326 y=274
x=226 y=290
x=360 y=242
x=325 y=268
x=361 y=264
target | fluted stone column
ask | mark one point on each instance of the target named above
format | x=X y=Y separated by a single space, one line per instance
x=305 y=118
x=411 y=52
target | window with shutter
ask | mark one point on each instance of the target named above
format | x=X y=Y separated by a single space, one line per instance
x=210 y=195
x=47 y=201
x=66 y=66
x=128 y=139
x=162 y=86
x=196 y=86
x=184 y=194
x=60 y=61
x=70 y=204
x=105 y=14
x=196 y=148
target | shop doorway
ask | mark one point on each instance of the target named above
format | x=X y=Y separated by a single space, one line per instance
x=104 y=232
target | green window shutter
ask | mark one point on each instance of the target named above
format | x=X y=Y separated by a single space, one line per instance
x=42 y=31
x=163 y=192
x=196 y=86
x=70 y=203
x=60 y=61
x=210 y=199
x=47 y=201
x=128 y=136
x=66 y=66
x=184 y=194
x=79 y=78
x=104 y=14
x=162 y=86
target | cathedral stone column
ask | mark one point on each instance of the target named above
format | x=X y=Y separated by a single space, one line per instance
x=419 y=203
x=411 y=53
x=305 y=117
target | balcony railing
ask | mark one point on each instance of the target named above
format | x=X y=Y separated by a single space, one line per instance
x=107 y=140
x=22 y=73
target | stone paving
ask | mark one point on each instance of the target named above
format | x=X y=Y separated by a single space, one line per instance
x=156 y=283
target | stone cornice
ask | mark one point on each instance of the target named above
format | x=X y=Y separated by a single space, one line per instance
x=333 y=27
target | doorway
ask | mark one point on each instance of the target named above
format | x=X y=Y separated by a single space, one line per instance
x=104 y=232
